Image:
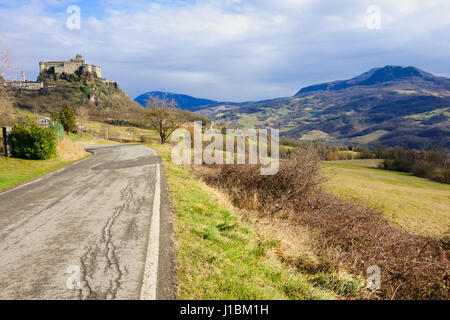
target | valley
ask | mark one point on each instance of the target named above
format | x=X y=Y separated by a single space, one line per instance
x=393 y=106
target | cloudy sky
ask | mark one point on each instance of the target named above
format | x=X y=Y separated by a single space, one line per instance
x=233 y=50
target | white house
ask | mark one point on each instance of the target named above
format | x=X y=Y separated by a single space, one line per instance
x=44 y=122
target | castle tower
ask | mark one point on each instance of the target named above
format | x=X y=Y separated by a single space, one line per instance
x=22 y=76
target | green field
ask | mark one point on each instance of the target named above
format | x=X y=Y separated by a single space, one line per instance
x=419 y=205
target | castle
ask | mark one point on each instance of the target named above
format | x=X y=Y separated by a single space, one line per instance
x=69 y=67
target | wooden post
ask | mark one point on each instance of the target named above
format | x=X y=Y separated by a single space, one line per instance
x=6 y=131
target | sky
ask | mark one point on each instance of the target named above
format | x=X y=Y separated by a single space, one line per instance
x=228 y=50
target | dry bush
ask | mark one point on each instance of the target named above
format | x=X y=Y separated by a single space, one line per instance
x=345 y=236
x=290 y=190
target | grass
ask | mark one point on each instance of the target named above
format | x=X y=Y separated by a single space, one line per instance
x=220 y=255
x=17 y=171
x=90 y=140
x=427 y=115
x=368 y=138
x=248 y=121
x=421 y=206
x=125 y=133
x=315 y=135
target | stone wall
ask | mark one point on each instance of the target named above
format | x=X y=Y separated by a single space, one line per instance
x=69 y=67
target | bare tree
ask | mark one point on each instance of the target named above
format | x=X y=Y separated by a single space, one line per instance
x=163 y=117
x=5 y=65
x=5 y=59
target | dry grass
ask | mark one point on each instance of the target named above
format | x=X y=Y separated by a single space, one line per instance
x=69 y=150
x=346 y=237
x=220 y=255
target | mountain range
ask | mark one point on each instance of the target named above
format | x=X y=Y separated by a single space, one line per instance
x=392 y=105
x=183 y=101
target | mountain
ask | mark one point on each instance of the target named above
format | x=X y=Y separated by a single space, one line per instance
x=393 y=105
x=377 y=76
x=183 y=101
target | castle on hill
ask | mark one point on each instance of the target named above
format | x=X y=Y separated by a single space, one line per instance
x=69 y=67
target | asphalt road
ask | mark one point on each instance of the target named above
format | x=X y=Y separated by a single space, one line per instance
x=98 y=229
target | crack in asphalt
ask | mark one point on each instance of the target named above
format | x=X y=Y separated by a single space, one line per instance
x=106 y=249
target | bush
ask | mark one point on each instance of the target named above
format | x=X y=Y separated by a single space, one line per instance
x=344 y=235
x=30 y=141
x=426 y=164
x=86 y=91
x=68 y=119
x=292 y=188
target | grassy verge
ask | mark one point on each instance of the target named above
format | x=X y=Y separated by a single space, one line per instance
x=419 y=205
x=17 y=171
x=221 y=255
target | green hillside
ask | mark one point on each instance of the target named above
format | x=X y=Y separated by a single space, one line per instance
x=418 y=205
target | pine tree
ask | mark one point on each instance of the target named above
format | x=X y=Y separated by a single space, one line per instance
x=68 y=119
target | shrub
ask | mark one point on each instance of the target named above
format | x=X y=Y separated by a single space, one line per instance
x=86 y=91
x=427 y=164
x=290 y=142
x=344 y=236
x=30 y=141
x=292 y=188
x=68 y=119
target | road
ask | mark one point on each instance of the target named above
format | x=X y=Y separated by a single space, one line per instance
x=98 y=229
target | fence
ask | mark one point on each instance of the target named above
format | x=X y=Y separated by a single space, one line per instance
x=59 y=130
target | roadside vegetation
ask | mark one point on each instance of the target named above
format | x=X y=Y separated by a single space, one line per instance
x=345 y=236
x=223 y=253
x=14 y=171
x=30 y=141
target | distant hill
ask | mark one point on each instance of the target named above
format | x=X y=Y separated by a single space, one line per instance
x=378 y=76
x=393 y=105
x=183 y=101
x=103 y=99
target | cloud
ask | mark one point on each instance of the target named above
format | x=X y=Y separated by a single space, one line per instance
x=230 y=49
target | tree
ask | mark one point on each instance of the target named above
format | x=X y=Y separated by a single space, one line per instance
x=5 y=64
x=82 y=118
x=68 y=119
x=163 y=117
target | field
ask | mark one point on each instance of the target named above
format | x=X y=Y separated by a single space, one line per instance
x=419 y=205
x=118 y=133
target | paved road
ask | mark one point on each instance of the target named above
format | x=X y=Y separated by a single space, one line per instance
x=104 y=221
